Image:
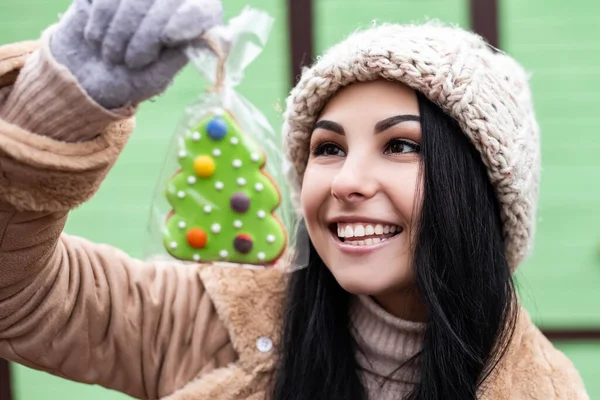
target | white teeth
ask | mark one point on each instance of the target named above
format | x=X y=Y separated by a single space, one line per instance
x=359 y=231
x=348 y=232
x=366 y=242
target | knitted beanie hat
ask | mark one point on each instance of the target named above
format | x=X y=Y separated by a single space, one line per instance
x=484 y=90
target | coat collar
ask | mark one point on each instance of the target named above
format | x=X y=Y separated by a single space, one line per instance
x=250 y=304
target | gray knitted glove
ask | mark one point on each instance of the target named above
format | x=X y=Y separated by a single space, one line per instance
x=127 y=51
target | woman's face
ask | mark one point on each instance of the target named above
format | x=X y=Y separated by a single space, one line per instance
x=359 y=189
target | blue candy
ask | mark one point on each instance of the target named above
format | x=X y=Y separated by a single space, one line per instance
x=216 y=128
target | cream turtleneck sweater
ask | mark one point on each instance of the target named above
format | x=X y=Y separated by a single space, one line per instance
x=385 y=343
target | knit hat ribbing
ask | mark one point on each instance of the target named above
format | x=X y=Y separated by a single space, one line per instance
x=485 y=91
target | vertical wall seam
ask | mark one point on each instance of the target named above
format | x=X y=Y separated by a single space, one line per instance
x=301 y=32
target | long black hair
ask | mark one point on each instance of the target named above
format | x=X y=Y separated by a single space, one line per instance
x=461 y=275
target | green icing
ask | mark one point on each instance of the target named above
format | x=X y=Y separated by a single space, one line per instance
x=190 y=209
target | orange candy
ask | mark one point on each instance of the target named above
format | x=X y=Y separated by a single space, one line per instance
x=196 y=238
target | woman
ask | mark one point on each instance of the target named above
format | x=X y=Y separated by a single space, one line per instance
x=415 y=161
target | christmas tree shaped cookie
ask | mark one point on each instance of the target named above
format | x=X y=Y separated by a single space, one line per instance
x=223 y=201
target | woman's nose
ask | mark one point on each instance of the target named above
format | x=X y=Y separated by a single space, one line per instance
x=354 y=181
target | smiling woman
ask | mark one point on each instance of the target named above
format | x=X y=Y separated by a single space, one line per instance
x=415 y=155
x=402 y=215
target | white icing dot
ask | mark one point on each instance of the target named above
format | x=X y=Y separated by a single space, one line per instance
x=216 y=152
x=237 y=223
x=191 y=180
x=182 y=154
x=223 y=253
x=181 y=194
x=271 y=238
x=234 y=140
x=196 y=136
x=261 y=256
x=262 y=214
x=207 y=209
x=219 y=185
x=237 y=163
x=182 y=225
x=255 y=157
x=218 y=112
x=215 y=228
x=259 y=187
x=196 y=257
x=241 y=181
x=173 y=245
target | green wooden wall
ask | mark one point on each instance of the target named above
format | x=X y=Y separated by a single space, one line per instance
x=555 y=40
x=335 y=19
x=558 y=43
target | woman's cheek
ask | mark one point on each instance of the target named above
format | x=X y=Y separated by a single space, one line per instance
x=406 y=192
x=314 y=191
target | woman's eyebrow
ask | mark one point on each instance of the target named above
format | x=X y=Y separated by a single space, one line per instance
x=379 y=127
x=395 y=120
x=330 y=126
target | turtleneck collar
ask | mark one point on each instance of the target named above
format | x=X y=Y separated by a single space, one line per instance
x=385 y=343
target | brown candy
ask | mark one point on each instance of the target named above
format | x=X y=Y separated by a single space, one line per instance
x=240 y=202
x=243 y=243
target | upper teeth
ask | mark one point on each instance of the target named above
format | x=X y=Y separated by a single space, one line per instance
x=360 y=230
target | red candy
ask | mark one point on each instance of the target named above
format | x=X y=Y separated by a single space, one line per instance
x=196 y=238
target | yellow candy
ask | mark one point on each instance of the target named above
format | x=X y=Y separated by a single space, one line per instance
x=204 y=166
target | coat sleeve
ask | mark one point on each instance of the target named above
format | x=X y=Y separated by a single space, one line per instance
x=76 y=309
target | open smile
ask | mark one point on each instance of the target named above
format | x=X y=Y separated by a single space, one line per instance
x=363 y=237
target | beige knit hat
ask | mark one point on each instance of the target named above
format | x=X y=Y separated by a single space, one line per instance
x=486 y=91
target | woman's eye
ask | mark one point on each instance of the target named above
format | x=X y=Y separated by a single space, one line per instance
x=328 y=149
x=401 y=146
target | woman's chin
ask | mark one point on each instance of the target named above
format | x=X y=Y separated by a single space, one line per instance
x=365 y=282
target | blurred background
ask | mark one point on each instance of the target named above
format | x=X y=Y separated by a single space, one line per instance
x=557 y=41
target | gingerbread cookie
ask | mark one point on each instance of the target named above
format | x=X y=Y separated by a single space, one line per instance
x=223 y=201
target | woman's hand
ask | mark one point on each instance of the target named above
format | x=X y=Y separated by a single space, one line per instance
x=126 y=51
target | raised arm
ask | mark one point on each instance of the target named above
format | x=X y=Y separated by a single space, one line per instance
x=76 y=309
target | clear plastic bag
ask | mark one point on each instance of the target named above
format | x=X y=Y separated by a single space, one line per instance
x=221 y=198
